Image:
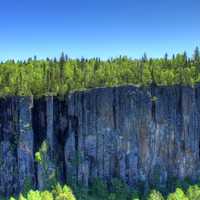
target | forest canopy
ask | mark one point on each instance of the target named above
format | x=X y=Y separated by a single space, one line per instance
x=60 y=76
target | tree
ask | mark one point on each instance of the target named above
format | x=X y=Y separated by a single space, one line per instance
x=58 y=77
x=61 y=67
x=166 y=57
x=144 y=58
x=151 y=68
x=196 y=55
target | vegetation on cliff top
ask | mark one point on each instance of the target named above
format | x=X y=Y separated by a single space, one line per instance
x=57 y=77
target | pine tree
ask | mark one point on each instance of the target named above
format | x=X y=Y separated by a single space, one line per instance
x=196 y=54
x=61 y=67
x=144 y=58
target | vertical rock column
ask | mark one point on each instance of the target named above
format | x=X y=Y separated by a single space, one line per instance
x=49 y=110
x=25 y=145
x=8 y=147
x=188 y=165
x=47 y=169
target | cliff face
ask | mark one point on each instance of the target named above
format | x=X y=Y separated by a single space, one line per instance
x=147 y=136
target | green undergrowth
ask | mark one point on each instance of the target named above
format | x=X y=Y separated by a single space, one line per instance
x=116 y=190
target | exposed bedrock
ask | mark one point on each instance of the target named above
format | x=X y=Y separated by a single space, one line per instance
x=141 y=135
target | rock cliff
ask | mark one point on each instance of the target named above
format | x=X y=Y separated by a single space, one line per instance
x=144 y=136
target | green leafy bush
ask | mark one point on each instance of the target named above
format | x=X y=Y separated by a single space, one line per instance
x=155 y=195
x=120 y=189
x=99 y=189
x=47 y=166
x=58 y=193
x=193 y=192
x=63 y=193
x=177 y=195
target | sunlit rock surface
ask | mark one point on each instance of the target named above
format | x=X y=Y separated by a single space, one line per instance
x=147 y=136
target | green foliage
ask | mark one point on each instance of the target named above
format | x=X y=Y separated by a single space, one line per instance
x=12 y=198
x=134 y=195
x=48 y=172
x=120 y=189
x=38 y=157
x=58 y=193
x=176 y=183
x=155 y=195
x=193 y=192
x=21 y=197
x=34 y=195
x=177 y=195
x=81 y=192
x=52 y=77
x=154 y=98
x=27 y=185
x=99 y=189
x=46 y=195
x=117 y=190
x=63 y=193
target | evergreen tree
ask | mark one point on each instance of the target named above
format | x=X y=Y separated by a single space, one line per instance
x=196 y=54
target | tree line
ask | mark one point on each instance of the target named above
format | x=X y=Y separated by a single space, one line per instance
x=60 y=76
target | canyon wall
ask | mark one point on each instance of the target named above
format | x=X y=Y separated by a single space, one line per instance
x=145 y=136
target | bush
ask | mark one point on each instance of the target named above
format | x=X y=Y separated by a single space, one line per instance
x=46 y=195
x=120 y=189
x=81 y=192
x=58 y=193
x=177 y=195
x=34 y=195
x=155 y=195
x=193 y=192
x=64 y=193
x=21 y=197
x=134 y=195
x=99 y=189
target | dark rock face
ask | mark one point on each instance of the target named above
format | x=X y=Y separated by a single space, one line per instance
x=141 y=135
x=8 y=145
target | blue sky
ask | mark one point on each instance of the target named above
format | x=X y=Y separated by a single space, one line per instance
x=97 y=28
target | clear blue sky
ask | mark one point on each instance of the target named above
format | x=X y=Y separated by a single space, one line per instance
x=101 y=28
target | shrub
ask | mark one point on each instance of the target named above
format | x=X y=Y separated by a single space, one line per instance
x=12 y=198
x=81 y=192
x=38 y=157
x=120 y=189
x=63 y=193
x=46 y=195
x=99 y=189
x=155 y=195
x=193 y=192
x=34 y=195
x=21 y=197
x=112 y=196
x=134 y=195
x=177 y=195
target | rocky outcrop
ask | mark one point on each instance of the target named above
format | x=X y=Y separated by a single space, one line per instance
x=25 y=151
x=8 y=146
x=145 y=136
